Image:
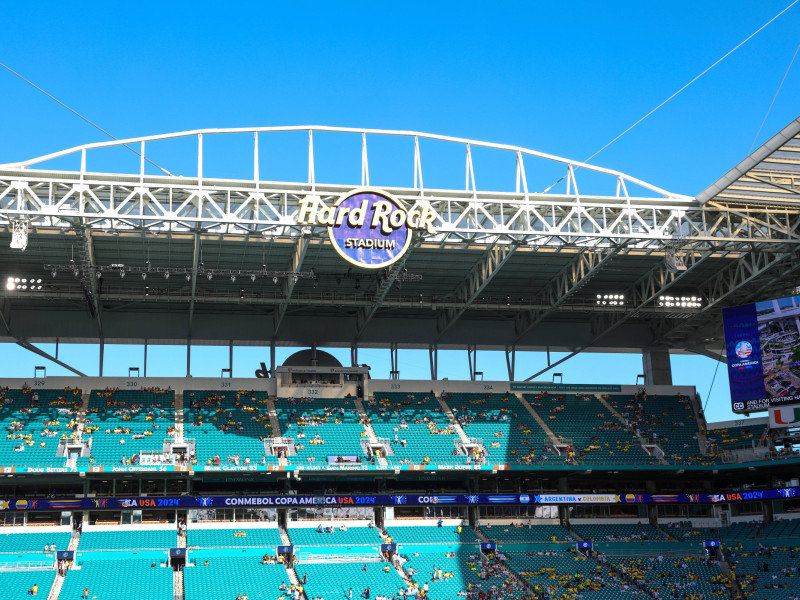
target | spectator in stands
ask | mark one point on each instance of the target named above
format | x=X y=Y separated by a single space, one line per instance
x=85 y=592
x=34 y=591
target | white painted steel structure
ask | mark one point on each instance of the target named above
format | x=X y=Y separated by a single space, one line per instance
x=509 y=270
x=635 y=213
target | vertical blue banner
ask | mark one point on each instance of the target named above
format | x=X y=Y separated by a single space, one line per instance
x=743 y=349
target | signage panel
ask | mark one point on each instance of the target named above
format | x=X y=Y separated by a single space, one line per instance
x=762 y=344
x=368 y=227
x=384 y=500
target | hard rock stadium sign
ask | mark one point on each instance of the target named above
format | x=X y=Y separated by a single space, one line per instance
x=368 y=227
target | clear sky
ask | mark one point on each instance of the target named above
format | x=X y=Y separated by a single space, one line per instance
x=556 y=77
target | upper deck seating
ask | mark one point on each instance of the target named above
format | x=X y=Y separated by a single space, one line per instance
x=729 y=438
x=228 y=424
x=33 y=422
x=124 y=423
x=668 y=421
x=509 y=433
x=598 y=437
x=417 y=420
x=321 y=427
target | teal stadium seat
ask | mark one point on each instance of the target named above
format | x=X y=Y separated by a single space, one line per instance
x=227 y=576
x=341 y=432
x=142 y=419
x=29 y=423
x=118 y=579
x=228 y=423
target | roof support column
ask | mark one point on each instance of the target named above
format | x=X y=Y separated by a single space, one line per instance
x=511 y=359
x=433 y=354
x=394 y=372
x=354 y=354
x=102 y=353
x=272 y=358
x=472 y=357
x=188 y=357
x=657 y=366
x=145 y=357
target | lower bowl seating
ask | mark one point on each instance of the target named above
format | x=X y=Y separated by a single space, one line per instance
x=115 y=580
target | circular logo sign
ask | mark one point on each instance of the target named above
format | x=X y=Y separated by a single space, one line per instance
x=370 y=228
x=744 y=349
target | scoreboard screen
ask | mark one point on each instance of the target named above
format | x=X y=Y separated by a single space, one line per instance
x=762 y=343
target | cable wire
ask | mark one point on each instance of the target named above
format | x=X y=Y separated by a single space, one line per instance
x=695 y=78
x=713 y=379
x=76 y=113
x=775 y=97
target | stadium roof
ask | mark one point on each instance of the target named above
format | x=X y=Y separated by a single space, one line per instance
x=127 y=256
x=769 y=176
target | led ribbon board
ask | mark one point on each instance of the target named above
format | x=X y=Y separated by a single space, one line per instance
x=368 y=227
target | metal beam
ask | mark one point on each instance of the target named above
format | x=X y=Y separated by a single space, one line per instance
x=30 y=347
x=476 y=280
x=728 y=282
x=654 y=283
x=49 y=201
x=193 y=296
x=570 y=279
x=88 y=278
x=382 y=288
x=299 y=253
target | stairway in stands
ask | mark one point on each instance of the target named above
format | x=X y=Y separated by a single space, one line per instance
x=177 y=585
x=449 y=413
x=368 y=426
x=545 y=427
x=58 y=582
x=178 y=417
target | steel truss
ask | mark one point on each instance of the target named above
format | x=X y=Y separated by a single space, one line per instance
x=164 y=204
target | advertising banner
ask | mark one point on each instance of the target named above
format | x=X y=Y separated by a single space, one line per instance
x=784 y=416
x=187 y=502
x=762 y=343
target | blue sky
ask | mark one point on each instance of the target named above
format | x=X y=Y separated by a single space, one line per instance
x=560 y=78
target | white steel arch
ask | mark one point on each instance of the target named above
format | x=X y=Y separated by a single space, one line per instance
x=140 y=202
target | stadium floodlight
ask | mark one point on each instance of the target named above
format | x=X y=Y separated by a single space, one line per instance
x=241 y=293
x=147 y=290
x=275 y=280
x=31 y=284
x=122 y=274
x=53 y=272
x=252 y=278
x=166 y=274
x=210 y=276
x=610 y=299
x=144 y=276
x=680 y=301
x=188 y=277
